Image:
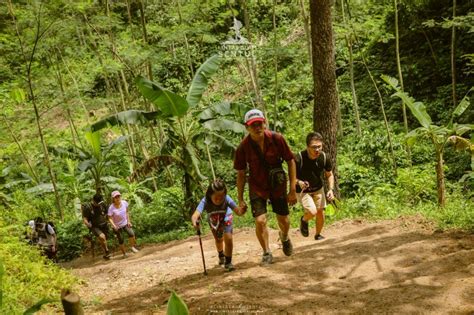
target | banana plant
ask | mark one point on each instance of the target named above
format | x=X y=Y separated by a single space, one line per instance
x=187 y=127
x=439 y=135
x=93 y=159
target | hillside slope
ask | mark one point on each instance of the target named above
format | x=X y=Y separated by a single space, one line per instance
x=392 y=266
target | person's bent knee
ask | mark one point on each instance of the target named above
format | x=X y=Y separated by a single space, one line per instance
x=261 y=220
x=311 y=211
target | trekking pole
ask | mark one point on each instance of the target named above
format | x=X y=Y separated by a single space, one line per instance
x=200 y=244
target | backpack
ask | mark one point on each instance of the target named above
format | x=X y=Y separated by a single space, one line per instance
x=42 y=229
x=301 y=159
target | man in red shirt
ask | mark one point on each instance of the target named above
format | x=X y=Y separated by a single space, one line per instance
x=262 y=153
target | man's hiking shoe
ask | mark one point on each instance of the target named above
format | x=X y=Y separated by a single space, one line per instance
x=318 y=237
x=229 y=267
x=221 y=260
x=267 y=258
x=287 y=246
x=304 y=227
x=106 y=255
x=134 y=249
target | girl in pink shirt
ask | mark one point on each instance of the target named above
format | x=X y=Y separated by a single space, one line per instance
x=120 y=221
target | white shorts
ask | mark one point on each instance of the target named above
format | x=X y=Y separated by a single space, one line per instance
x=312 y=201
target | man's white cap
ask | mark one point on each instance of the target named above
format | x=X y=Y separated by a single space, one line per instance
x=252 y=116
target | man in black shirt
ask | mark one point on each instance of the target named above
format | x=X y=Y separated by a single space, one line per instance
x=94 y=216
x=311 y=164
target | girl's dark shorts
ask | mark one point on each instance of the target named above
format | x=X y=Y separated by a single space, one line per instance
x=119 y=233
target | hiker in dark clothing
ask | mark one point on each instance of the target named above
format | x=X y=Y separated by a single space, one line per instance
x=262 y=153
x=94 y=216
x=46 y=237
x=311 y=164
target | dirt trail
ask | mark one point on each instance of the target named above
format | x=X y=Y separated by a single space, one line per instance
x=392 y=266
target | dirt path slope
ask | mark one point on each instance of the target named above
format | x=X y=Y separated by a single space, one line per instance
x=396 y=266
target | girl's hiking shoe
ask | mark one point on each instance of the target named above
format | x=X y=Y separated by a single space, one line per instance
x=304 y=227
x=134 y=249
x=229 y=267
x=318 y=237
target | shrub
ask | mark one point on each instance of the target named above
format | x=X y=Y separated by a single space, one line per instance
x=70 y=239
x=29 y=277
x=165 y=213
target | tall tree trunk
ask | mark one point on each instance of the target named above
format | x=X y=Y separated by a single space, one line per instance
x=186 y=43
x=28 y=63
x=400 y=75
x=440 y=177
x=145 y=37
x=23 y=153
x=252 y=64
x=307 y=30
x=129 y=18
x=326 y=106
x=275 y=64
x=351 y=72
x=382 y=106
x=453 y=57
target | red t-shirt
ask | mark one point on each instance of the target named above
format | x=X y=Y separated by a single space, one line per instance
x=275 y=149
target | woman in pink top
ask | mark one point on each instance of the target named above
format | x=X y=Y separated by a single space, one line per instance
x=118 y=217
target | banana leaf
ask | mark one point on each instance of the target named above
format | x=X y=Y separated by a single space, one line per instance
x=201 y=79
x=169 y=103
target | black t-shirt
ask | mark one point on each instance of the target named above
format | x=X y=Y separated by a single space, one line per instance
x=97 y=215
x=312 y=171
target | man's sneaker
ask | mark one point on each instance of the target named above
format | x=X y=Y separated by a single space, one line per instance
x=106 y=255
x=319 y=237
x=221 y=260
x=134 y=249
x=287 y=246
x=267 y=258
x=304 y=227
x=229 y=267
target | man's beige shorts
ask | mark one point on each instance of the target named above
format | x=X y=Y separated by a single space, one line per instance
x=313 y=201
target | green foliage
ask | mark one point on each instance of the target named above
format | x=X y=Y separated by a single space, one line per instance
x=28 y=277
x=70 y=239
x=163 y=214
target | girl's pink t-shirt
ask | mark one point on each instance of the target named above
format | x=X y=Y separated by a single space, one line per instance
x=119 y=215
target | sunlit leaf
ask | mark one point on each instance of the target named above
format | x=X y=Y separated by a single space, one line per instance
x=18 y=95
x=201 y=80
x=169 y=103
x=176 y=305
x=221 y=124
x=132 y=117
x=463 y=105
